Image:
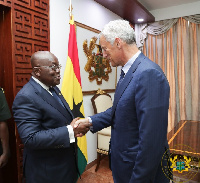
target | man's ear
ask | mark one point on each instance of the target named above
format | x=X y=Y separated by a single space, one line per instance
x=118 y=42
x=37 y=71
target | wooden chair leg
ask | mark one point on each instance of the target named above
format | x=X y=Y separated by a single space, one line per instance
x=98 y=161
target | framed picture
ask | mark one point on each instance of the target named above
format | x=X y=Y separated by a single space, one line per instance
x=84 y=33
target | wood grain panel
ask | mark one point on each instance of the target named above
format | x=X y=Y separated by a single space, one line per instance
x=130 y=10
x=43 y=5
x=6 y=3
x=185 y=137
x=40 y=6
x=30 y=24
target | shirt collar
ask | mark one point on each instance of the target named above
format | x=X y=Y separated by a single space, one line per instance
x=41 y=84
x=127 y=66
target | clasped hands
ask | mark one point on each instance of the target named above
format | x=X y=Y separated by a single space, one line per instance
x=80 y=126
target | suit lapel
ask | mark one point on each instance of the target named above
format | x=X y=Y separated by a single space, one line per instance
x=127 y=79
x=45 y=95
x=63 y=100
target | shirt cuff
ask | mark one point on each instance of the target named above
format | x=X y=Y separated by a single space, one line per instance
x=71 y=134
x=90 y=120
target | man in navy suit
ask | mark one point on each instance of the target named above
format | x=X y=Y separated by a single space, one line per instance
x=45 y=125
x=139 y=115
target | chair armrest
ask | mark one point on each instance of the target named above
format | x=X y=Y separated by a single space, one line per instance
x=105 y=131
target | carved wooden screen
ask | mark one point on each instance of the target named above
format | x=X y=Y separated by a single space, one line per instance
x=6 y=2
x=30 y=33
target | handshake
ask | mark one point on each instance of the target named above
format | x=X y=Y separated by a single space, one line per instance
x=80 y=126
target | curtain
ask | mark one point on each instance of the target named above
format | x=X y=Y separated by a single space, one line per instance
x=177 y=50
x=159 y=27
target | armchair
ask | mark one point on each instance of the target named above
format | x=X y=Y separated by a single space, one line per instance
x=101 y=101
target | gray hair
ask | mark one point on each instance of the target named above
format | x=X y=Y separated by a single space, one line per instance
x=119 y=29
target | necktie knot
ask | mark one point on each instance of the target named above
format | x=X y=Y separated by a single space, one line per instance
x=122 y=74
x=121 y=78
x=51 y=89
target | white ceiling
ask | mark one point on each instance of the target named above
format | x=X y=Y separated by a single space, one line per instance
x=159 y=4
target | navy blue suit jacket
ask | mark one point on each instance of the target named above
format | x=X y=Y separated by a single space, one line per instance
x=41 y=122
x=139 y=120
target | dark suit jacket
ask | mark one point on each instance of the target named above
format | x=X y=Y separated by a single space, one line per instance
x=41 y=123
x=139 y=119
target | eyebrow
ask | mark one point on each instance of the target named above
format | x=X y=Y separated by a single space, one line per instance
x=54 y=63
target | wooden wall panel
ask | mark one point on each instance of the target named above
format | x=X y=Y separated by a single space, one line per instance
x=22 y=22
x=30 y=33
x=6 y=3
x=30 y=24
x=22 y=50
x=22 y=78
x=40 y=6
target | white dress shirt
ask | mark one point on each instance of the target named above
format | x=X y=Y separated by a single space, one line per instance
x=127 y=66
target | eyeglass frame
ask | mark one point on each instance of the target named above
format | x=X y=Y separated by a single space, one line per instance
x=53 y=67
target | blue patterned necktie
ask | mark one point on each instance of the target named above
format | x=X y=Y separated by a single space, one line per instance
x=121 y=77
x=120 y=80
x=51 y=89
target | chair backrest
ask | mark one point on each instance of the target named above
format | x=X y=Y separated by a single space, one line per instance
x=101 y=101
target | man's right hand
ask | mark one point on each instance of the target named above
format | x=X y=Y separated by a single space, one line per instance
x=80 y=126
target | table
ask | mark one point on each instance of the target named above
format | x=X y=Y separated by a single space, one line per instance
x=184 y=142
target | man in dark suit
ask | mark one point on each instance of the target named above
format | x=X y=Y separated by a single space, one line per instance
x=139 y=115
x=45 y=125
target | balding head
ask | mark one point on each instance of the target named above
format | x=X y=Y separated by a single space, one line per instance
x=43 y=65
x=39 y=58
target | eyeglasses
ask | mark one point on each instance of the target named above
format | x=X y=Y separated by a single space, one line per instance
x=52 y=67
